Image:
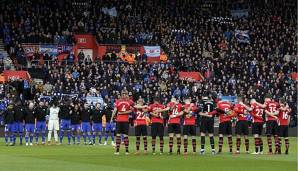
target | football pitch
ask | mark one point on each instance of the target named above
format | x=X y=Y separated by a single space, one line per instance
x=87 y=157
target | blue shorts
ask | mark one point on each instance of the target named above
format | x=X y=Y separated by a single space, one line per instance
x=65 y=124
x=86 y=127
x=40 y=126
x=110 y=126
x=76 y=127
x=96 y=127
x=10 y=128
x=29 y=128
x=1 y=120
x=19 y=127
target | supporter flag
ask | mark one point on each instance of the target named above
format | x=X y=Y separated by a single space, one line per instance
x=64 y=48
x=239 y=13
x=30 y=49
x=93 y=100
x=10 y=74
x=152 y=53
x=231 y=99
x=242 y=36
x=190 y=76
x=50 y=49
x=45 y=98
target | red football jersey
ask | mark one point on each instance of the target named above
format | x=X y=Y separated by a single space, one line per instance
x=154 y=107
x=283 y=116
x=122 y=106
x=140 y=117
x=192 y=119
x=175 y=109
x=271 y=107
x=239 y=109
x=257 y=113
x=225 y=106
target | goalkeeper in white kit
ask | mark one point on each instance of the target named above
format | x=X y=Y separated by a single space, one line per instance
x=53 y=124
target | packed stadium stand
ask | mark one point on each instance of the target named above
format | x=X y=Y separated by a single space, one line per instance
x=246 y=48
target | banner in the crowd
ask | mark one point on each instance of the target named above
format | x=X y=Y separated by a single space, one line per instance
x=182 y=36
x=49 y=49
x=30 y=49
x=109 y=11
x=239 y=13
x=69 y=96
x=141 y=37
x=231 y=99
x=152 y=51
x=221 y=20
x=11 y=75
x=45 y=98
x=60 y=96
x=107 y=29
x=93 y=100
x=190 y=76
x=242 y=36
x=64 y=48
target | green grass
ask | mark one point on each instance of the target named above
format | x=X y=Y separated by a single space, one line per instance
x=85 y=158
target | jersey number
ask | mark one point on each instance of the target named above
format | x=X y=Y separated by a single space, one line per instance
x=140 y=115
x=259 y=112
x=285 y=115
x=159 y=114
x=208 y=108
x=175 y=112
x=123 y=108
x=272 y=109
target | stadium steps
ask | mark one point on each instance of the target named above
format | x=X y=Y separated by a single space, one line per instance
x=8 y=64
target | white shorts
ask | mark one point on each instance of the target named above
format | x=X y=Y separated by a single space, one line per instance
x=53 y=125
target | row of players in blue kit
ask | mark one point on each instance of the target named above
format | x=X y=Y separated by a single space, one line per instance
x=74 y=119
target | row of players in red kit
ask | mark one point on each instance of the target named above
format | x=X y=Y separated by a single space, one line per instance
x=276 y=118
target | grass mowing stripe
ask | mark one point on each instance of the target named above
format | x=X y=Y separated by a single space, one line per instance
x=80 y=157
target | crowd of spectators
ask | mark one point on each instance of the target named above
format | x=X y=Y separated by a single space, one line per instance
x=187 y=31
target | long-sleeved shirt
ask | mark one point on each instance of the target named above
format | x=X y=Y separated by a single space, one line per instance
x=54 y=113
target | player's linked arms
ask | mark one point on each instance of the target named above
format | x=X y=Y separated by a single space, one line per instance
x=229 y=113
x=172 y=116
x=246 y=107
x=204 y=114
x=158 y=114
x=155 y=113
x=140 y=107
x=165 y=109
x=246 y=112
x=271 y=114
x=125 y=112
x=189 y=115
x=187 y=112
